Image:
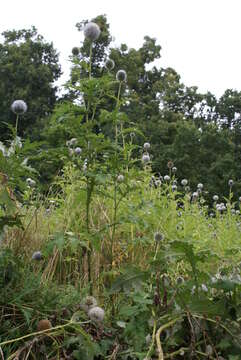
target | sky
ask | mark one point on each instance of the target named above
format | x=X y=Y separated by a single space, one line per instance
x=200 y=39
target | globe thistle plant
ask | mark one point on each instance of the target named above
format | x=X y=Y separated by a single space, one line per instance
x=146 y=158
x=75 y=51
x=19 y=107
x=158 y=237
x=167 y=178
x=174 y=169
x=30 y=182
x=96 y=314
x=174 y=187
x=88 y=303
x=230 y=183
x=121 y=75
x=215 y=197
x=109 y=64
x=77 y=151
x=91 y=31
x=120 y=178
x=146 y=146
x=72 y=142
x=184 y=182
x=200 y=186
x=37 y=255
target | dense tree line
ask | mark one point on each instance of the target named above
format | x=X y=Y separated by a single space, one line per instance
x=199 y=133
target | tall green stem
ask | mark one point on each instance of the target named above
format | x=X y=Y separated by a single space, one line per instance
x=88 y=103
x=16 y=127
x=117 y=108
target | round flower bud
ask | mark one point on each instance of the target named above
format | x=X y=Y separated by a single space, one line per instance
x=72 y=142
x=184 y=182
x=167 y=178
x=19 y=107
x=120 y=178
x=179 y=280
x=209 y=350
x=121 y=75
x=158 y=237
x=96 y=314
x=195 y=195
x=109 y=64
x=174 y=187
x=30 y=182
x=215 y=197
x=88 y=303
x=200 y=186
x=44 y=324
x=37 y=255
x=146 y=146
x=75 y=51
x=148 y=339
x=145 y=158
x=204 y=288
x=91 y=31
x=158 y=183
x=174 y=169
x=187 y=188
x=77 y=151
x=230 y=182
x=170 y=164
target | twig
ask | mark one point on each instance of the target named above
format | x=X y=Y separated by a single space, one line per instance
x=158 y=341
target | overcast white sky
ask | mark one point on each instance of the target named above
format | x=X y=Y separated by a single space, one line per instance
x=200 y=39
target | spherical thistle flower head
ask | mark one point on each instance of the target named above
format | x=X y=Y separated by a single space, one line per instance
x=75 y=51
x=174 y=187
x=200 y=186
x=121 y=75
x=215 y=197
x=19 y=107
x=91 y=31
x=77 y=151
x=230 y=182
x=148 y=339
x=44 y=324
x=184 y=182
x=30 y=182
x=120 y=178
x=158 y=183
x=96 y=314
x=170 y=164
x=109 y=64
x=37 y=255
x=146 y=158
x=195 y=195
x=209 y=350
x=146 y=146
x=180 y=280
x=88 y=303
x=167 y=178
x=72 y=142
x=158 y=237
x=174 y=169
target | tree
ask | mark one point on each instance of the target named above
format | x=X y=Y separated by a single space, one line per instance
x=29 y=67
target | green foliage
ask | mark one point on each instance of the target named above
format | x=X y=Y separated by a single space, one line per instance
x=29 y=67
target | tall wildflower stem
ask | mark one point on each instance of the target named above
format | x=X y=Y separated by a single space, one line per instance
x=16 y=126
x=117 y=109
x=90 y=187
x=90 y=68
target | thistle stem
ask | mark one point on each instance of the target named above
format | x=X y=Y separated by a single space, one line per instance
x=16 y=127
